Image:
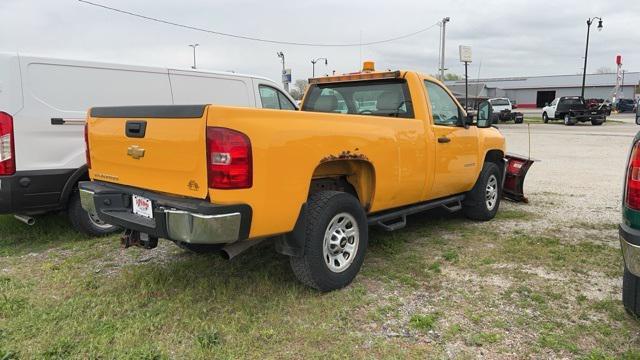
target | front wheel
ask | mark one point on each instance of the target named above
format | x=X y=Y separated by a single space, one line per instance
x=86 y=223
x=336 y=240
x=483 y=201
x=545 y=118
x=631 y=292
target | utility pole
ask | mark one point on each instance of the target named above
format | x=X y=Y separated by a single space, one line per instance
x=586 y=50
x=194 y=46
x=285 y=83
x=444 y=30
x=313 y=64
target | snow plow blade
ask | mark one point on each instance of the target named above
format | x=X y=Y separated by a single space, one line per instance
x=516 y=170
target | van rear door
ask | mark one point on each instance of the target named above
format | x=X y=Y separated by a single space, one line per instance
x=159 y=148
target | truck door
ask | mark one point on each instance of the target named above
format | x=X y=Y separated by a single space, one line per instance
x=456 y=156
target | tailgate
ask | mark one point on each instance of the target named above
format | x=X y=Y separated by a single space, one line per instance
x=159 y=148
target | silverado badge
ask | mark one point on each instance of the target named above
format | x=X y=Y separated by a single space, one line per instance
x=135 y=152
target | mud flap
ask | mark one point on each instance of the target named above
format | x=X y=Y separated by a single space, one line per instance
x=517 y=168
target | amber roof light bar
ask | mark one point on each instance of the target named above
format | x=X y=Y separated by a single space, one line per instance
x=356 y=77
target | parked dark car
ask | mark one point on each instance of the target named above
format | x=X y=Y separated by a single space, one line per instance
x=626 y=105
x=630 y=229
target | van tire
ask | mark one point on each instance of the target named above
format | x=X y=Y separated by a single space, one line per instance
x=631 y=292
x=323 y=209
x=479 y=204
x=82 y=222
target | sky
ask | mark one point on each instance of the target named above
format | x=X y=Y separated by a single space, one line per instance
x=508 y=38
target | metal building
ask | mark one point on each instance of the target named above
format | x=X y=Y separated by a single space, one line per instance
x=535 y=91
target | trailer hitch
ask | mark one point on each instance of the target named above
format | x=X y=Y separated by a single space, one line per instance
x=135 y=238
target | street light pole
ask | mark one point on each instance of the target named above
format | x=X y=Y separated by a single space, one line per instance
x=444 y=30
x=313 y=64
x=284 y=83
x=586 y=50
x=194 y=46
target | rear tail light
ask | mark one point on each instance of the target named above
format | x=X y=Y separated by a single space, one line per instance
x=86 y=145
x=230 y=164
x=632 y=198
x=7 y=146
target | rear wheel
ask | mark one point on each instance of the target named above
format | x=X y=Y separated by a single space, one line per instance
x=631 y=292
x=596 y=122
x=336 y=240
x=483 y=201
x=86 y=223
x=545 y=117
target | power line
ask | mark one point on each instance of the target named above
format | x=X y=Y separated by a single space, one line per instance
x=190 y=27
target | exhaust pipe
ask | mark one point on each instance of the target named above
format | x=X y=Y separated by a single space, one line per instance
x=232 y=250
x=25 y=219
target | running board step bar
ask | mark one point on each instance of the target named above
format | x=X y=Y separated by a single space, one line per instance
x=397 y=218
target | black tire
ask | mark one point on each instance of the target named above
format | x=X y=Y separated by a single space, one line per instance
x=476 y=205
x=631 y=292
x=596 y=122
x=518 y=121
x=545 y=118
x=84 y=223
x=312 y=269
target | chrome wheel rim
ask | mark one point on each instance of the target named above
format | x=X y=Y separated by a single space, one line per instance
x=341 y=241
x=491 y=193
x=95 y=220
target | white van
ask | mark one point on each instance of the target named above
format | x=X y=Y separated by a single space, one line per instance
x=43 y=103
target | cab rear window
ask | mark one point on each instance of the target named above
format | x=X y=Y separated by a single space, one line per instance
x=388 y=98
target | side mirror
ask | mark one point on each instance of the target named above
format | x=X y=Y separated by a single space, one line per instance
x=485 y=113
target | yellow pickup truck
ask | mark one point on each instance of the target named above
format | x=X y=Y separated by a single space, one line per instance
x=367 y=148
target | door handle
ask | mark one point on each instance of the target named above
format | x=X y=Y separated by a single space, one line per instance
x=443 y=140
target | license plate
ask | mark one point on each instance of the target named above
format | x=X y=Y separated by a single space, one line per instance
x=142 y=206
x=593 y=113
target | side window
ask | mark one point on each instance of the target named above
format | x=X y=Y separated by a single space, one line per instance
x=285 y=103
x=444 y=109
x=272 y=98
x=554 y=102
x=269 y=98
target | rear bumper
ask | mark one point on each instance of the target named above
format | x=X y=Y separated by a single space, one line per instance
x=174 y=218
x=36 y=192
x=630 y=244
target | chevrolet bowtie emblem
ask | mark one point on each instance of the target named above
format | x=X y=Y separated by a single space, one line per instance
x=135 y=152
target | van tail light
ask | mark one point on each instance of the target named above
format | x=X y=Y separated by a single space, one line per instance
x=632 y=198
x=229 y=159
x=7 y=145
x=86 y=145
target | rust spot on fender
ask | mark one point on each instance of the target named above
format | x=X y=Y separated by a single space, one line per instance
x=345 y=155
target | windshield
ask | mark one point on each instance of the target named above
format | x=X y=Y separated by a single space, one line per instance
x=499 y=102
x=378 y=98
x=572 y=101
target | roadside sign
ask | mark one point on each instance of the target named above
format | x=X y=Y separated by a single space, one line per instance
x=286 y=76
x=465 y=53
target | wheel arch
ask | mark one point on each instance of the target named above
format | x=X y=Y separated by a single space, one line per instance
x=82 y=173
x=356 y=176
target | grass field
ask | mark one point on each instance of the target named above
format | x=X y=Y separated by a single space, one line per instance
x=443 y=287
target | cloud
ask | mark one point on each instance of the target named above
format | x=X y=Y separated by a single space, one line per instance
x=508 y=37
